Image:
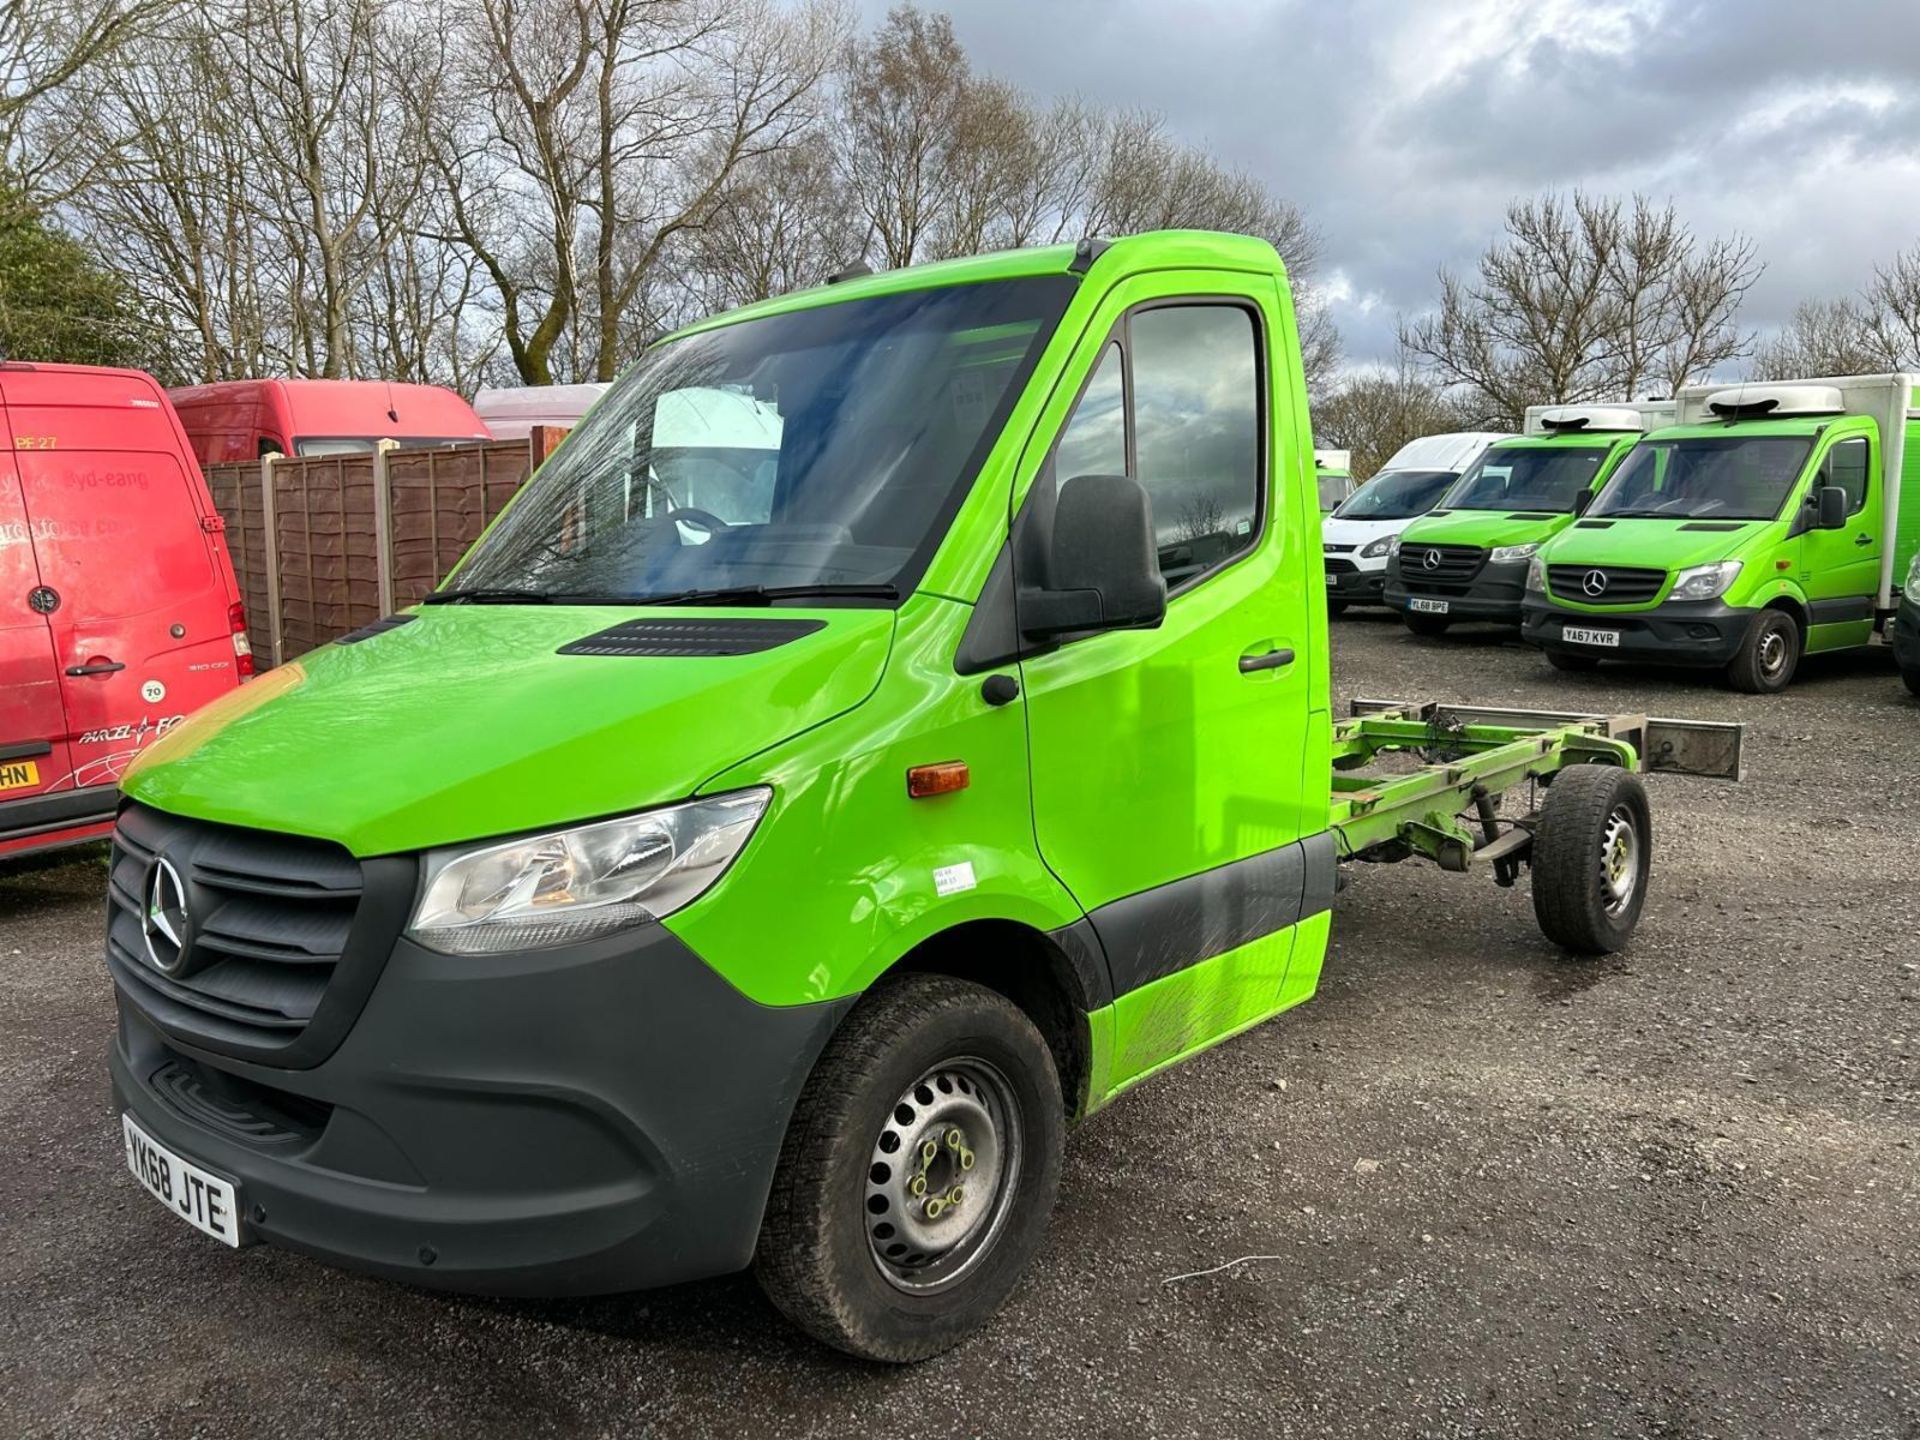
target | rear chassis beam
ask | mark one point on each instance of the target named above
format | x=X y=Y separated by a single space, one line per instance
x=1470 y=754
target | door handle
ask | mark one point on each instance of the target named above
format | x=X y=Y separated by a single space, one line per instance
x=97 y=667
x=1272 y=660
x=1863 y=539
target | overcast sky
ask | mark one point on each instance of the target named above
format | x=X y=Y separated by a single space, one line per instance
x=1404 y=126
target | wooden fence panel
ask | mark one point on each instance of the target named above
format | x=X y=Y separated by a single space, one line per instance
x=441 y=501
x=236 y=495
x=329 y=555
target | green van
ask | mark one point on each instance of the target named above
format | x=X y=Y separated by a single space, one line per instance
x=1466 y=559
x=769 y=841
x=1769 y=523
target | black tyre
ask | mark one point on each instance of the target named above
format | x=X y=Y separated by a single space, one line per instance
x=918 y=1172
x=1422 y=624
x=1912 y=677
x=1336 y=607
x=1768 y=656
x=1592 y=852
x=1577 y=664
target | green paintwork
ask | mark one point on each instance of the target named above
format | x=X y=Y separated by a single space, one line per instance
x=1489 y=528
x=1777 y=565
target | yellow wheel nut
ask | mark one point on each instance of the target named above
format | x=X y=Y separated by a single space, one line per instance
x=966 y=1159
x=927 y=1152
x=934 y=1207
x=955 y=1139
x=956 y=1195
x=917 y=1186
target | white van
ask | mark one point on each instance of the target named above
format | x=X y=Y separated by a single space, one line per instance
x=512 y=412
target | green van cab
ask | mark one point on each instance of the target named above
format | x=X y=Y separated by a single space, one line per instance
x=1768 y=523
x=770 y=839
x=1466 y=559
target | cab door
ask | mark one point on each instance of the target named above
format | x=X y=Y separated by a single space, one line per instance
x=142 y=631
x=1167 y=763
x=1840 y=569
x=33 y=727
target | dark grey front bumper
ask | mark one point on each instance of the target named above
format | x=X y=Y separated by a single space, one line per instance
x=1702 y=633
x=1494 y=593
x=589 y=1119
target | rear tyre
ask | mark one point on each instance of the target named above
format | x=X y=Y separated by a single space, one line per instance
x=1421 y=624
x=1912 y=677
x=1573 y=663
x=918 y=1173
x=1768 y=656
x=1592 y=853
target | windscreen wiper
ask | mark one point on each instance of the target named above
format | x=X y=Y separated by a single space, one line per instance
x=482 y=596
x=768 y=594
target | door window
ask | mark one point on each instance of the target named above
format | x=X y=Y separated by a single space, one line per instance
x=1196 y=426
x=1847 y=468
x=1095 y=440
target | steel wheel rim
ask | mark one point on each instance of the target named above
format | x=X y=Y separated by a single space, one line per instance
x=1619 y=860
x=1773 y=652
x=942 y=1176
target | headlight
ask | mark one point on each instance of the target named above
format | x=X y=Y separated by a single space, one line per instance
x=1512 y=554
x=1913 y=580
x=1705 y=582
x=1393 y=545
x=578 y=884
x=1536 y=575
x=1385 y=545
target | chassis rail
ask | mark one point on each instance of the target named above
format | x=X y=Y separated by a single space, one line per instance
x=1470 y=754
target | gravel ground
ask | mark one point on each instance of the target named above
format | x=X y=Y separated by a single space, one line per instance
x=1495 y=1192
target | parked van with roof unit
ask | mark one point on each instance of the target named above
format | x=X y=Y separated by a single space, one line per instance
x=1355 y=538
x=1769 y=523
x=514 y=412
x=118 y=610
x=1466 y=559
x=245 y=419
x=1333 y=472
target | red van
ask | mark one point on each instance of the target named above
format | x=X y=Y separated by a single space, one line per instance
x=245 y=419
x=118 y=608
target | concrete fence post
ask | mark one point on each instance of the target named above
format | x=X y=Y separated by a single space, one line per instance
x=270 y=526
x=383 y=524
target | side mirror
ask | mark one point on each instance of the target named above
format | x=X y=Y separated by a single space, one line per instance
x=1832 y=502
x=1582 y=501
x=1103 y=570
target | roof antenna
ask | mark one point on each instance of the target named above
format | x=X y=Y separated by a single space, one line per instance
x=392 y=414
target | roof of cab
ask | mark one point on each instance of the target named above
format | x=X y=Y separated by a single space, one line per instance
x=354 y=407
x=1154 y=249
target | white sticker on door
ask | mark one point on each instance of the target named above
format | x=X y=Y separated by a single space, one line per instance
x=952 y=879
x=153 y=692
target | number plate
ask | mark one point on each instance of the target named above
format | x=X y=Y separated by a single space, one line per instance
x=1332 y=579
x=18 y=774
x=1577 y=635
x=1426 y=606
x=204 y=1201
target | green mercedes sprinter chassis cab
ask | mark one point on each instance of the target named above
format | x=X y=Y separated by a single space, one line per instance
x=760 y=855
x=1769 y=522
x=1466 y=559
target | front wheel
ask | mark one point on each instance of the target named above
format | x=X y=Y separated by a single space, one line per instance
x=1768 y=656
x=1592 y=854
x=1421 y=623
x=918 y=1172
x=1912 y=677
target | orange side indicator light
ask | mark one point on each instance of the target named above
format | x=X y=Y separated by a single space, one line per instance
x=946 y=778
x=1783 y=564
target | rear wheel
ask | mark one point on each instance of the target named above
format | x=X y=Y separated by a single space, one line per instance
x=1559 y=660
x=918 y=1172
x=1423 y=624
x=1592 y=853
x=1768 y=656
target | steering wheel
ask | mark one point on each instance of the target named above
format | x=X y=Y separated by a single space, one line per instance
x=700 y=519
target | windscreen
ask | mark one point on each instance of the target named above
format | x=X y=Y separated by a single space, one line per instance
x=313 y=445
x=1399 y=495
x=1528 y=479
x=1720 y=477
x=824 y=447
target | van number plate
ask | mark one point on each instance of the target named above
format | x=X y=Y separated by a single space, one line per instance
x=1577 y=635
x=1426 y=606
x=18 y=774
x=204 y=1201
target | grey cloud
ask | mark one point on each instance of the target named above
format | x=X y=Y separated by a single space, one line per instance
x=1315 y=99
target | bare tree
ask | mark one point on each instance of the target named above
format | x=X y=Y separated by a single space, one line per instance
x=1825 y=337
x=1892 y=302
x=1200 y=516
x=45 y=45
x=1584 y=299
x=1374 y=412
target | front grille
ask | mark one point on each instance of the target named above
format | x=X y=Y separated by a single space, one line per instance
x=1342 y=567
x=1442 y=568
x=1605 y=584
x=268 y=919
